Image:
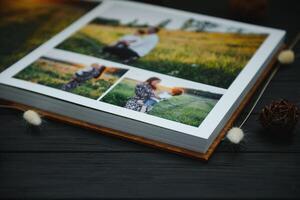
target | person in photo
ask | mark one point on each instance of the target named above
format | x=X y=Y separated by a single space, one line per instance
x=91 y=72
x=144 y=92
x=152 y=101
x=133 y=46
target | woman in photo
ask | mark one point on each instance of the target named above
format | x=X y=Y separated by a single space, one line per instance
x=144 y=92
x=133 y=46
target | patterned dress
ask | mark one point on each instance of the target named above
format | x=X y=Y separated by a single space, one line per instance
x=143 y=91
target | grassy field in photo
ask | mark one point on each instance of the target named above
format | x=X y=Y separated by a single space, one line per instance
x=187 y=108
x=55 y=74
x=205 y=57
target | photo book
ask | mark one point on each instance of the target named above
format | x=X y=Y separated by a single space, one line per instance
x=167 y=78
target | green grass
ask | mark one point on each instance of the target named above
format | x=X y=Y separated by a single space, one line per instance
x=210 y=58
x=38 y=73
x=187 y=109
x=121 y=93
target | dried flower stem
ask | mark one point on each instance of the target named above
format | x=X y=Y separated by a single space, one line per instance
x=292 y=45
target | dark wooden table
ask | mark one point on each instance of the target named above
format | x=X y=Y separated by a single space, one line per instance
x=62 y=161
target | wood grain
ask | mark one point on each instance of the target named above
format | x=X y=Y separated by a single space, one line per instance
x=63 y=161
x=151 y=175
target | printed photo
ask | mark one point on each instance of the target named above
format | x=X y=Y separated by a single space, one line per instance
x=200 y=51
x=162 y=98
x=85 y=80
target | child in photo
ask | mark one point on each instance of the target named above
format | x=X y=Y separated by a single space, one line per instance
x=91 y=72
x=149 y=103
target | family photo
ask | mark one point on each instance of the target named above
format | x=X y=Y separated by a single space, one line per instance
x=200 y=51
x=180 y=104
x=85 y=80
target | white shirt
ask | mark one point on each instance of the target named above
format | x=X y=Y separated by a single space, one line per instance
x=144 y=45
x=165 y=95
x=131 y=39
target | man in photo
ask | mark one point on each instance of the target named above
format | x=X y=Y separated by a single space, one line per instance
x=133 y=46
x=91 y=72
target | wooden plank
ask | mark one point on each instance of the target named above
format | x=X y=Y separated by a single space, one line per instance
x=257 y=139
x=59 y=137
x=289 y=90
x=289 y=72
x=55 y=136
x=148 y=175
x=162 y=175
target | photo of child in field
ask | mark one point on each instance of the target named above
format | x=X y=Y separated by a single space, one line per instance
x=85 y=80
x=184 y=105
x=200 y=51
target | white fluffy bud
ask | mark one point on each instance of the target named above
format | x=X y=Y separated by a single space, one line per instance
x=235 y=135
x=32 y=117
x=286 y=57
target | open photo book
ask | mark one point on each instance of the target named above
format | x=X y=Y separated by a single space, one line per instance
x=163 y=77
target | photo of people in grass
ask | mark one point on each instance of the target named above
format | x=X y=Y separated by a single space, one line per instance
x=88 y=80
x=198 y=50
x=162 y=98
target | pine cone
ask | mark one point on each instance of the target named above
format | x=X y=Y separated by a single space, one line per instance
x=279 y=116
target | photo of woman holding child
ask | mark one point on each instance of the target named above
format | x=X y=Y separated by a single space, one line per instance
x=162 y=97
x=144 y=95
